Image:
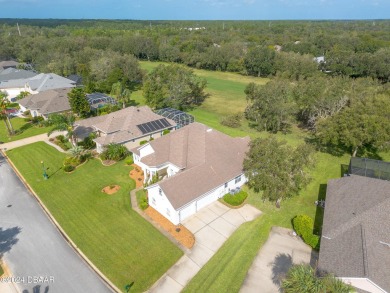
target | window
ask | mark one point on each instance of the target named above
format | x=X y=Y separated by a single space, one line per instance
x=153 y=201
x=226 y=184
x=159 y=191
x=237 y=179
x=168 y=212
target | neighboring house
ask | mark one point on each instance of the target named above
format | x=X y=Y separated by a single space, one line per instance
x=46 y=102
x=198 y=165
x=12 y=73
x=355 y=242
x=128 y=126
x=8 y=64
x=36 y=84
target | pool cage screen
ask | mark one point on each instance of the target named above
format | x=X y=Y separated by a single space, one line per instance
x=98 y=100
x=181 y=118
x=369 y=168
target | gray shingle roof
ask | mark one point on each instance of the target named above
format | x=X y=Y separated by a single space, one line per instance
x=208 y=158
x=119 y=126
x=40 y=82
x=12 y=73
x=357 y=220
x=47 y=102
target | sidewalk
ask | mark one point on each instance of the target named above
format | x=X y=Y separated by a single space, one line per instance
x=6 y=286
x=41 y=137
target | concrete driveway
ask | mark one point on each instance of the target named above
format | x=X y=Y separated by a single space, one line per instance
x=274 y=259
x=212 y=226
x=39 y=258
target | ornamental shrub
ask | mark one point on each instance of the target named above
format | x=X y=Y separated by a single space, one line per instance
x=303 y=226
x=166 y=131
x=68 y=168
x=233 y=121
x=115 y=152
x=235 y=199
x=142 y=142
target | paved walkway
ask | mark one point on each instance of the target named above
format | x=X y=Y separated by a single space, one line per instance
x=212 y=226
x=32 y=139
x=274 y=259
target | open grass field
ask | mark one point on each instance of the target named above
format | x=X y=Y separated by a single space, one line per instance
x=25 y=130
x=226 y=89
x=124 y=246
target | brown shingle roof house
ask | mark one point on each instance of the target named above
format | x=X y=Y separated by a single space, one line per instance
x=355 y=243
x=46 y=102
x=198 y=164
x=128 y=126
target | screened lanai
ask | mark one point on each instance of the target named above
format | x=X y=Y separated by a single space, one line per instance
x=181 y=118
x=98 y=100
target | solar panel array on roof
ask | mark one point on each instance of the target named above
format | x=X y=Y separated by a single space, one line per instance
x=153 y=125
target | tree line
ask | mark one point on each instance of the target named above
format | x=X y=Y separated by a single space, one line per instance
x=258 y=48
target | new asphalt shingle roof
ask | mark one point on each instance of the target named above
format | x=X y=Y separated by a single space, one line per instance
x=46 y=102
x=207 y=157
x=355 y=229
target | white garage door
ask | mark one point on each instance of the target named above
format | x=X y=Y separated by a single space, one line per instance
x=188 y=211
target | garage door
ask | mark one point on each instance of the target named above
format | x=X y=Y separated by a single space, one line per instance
x=188 y=211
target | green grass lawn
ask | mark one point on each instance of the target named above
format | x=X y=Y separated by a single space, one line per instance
x=22 y=128
x=124 y=246
x=226 y=89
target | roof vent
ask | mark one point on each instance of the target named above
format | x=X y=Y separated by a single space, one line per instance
x=209 y=130
x=137 y=110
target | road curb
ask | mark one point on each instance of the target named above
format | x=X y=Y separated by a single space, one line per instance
x=110 y=285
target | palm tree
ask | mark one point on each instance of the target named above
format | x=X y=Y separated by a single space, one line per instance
x=122 y=94
x=63 y=122
x=303 y=279
x=4 y=115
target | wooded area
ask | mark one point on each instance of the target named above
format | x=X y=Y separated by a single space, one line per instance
x=318 y=69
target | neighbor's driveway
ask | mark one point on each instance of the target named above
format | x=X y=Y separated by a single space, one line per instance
x=277 y=255
x=32 y=247
x=212 y=226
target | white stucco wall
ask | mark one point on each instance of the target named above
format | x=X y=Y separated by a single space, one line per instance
x=161 y=203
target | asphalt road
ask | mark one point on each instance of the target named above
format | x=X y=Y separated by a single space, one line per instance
x=39 y=258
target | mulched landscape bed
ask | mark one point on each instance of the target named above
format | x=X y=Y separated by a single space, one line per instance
x=179 y=232
x=111 y=189
x=137 y=175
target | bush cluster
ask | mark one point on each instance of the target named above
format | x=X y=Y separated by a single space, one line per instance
x=69 y=168
x=142 y=199
x=115 y=152
x=235 y=199
x=303 y=226
x=233 y=121
x=166 y=131
x=62 y=142
x=142 y=142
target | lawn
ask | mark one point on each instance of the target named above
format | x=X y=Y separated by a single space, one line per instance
x=22 y=128
x=226 y=89
x=124 y=246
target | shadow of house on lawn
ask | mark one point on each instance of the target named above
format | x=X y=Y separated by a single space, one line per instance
x=8 y=239
x=280 y=267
